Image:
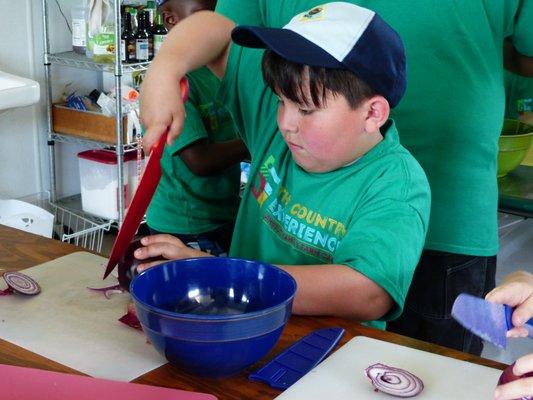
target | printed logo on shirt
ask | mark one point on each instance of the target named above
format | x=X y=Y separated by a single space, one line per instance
x=314 y=14
x=294 y=222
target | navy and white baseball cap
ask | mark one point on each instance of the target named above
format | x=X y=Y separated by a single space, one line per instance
x=338 y=35
x=159 y=3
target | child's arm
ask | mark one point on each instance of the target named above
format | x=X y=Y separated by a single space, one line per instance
x=516 y=62
x=201 y=39
x=206 y=159
x=334 y=290
x=337 y=290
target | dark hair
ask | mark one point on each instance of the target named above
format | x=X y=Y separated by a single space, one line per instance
x=203 y=4
x=209 y=4
x=287 y=78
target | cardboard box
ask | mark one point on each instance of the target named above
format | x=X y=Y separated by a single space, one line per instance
x=87 y=124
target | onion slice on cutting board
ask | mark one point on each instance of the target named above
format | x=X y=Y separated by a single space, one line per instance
x=394 y=381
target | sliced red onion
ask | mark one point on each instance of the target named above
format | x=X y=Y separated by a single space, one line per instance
x=108 y=291
x=20 y=283
x=130 y=318
x=394 y=381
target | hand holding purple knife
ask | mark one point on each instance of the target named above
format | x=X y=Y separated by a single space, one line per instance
x=516 y=291
x=495 y=322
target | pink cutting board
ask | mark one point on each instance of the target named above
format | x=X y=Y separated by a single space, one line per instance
x=19 y=383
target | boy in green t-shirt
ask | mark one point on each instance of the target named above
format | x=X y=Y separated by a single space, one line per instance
x=332 y=198
x=198 y=196
x=450 y=120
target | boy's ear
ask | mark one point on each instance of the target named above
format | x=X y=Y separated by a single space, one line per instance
x=169 y=18
x=378 y=111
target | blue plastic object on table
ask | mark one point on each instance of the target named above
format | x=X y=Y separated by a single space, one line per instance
x=213 y=316
x=298 y=359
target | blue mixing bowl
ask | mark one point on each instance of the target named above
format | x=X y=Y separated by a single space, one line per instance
x=213 y=316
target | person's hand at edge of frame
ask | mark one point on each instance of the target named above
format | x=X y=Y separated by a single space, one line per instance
x=516 y=291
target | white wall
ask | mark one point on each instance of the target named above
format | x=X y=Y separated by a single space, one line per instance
x=24 y=167
x=20 y=160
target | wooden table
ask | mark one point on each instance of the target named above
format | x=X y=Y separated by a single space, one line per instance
x=19 y=250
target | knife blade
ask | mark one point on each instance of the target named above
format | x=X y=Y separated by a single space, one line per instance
x=489 y=321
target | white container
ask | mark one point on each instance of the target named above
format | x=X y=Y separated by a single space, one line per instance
x=99 y=183
x=26 y=217
x=130 y=160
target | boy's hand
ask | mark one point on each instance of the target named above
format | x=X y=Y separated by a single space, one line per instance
x=167 y=246
x=516 y=291
x=161 y=106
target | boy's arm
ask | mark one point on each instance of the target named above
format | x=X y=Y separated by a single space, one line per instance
x=201 y=39
x=516 y=62
x=206 y=159
x=322 y=289
x=339 y=291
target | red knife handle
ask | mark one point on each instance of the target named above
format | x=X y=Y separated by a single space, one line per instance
x=184 y=88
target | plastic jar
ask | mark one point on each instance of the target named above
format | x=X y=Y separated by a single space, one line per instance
x=79 y=27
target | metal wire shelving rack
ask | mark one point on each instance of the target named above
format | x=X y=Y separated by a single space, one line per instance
x=72 y=227
x=74 y=60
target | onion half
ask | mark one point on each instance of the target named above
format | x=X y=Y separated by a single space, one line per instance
x=394 y=381
x=127 y=265
x=20 y=283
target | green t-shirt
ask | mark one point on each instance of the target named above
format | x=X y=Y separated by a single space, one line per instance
x=516 y=88
x=185 y=203
x=371 y=215
x=451 y=116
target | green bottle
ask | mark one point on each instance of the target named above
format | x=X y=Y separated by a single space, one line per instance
x=134 y=19
x=150 y=7
x=159 y=31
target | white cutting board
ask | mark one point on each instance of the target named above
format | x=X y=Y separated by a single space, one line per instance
x=342 y=375
x=75 y=326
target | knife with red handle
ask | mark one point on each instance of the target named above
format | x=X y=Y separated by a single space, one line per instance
x=142 y=197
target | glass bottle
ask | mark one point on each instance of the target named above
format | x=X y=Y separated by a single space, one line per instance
x=134 y=19
x=159 y=32
x=142 y=39
x=150 y=8
x=128 y=40
x=79 y=27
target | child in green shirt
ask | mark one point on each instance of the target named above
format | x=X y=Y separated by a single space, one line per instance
x=332 y=198
x=198 y=196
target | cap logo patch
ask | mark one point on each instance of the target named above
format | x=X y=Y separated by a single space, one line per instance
x=314 y=14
